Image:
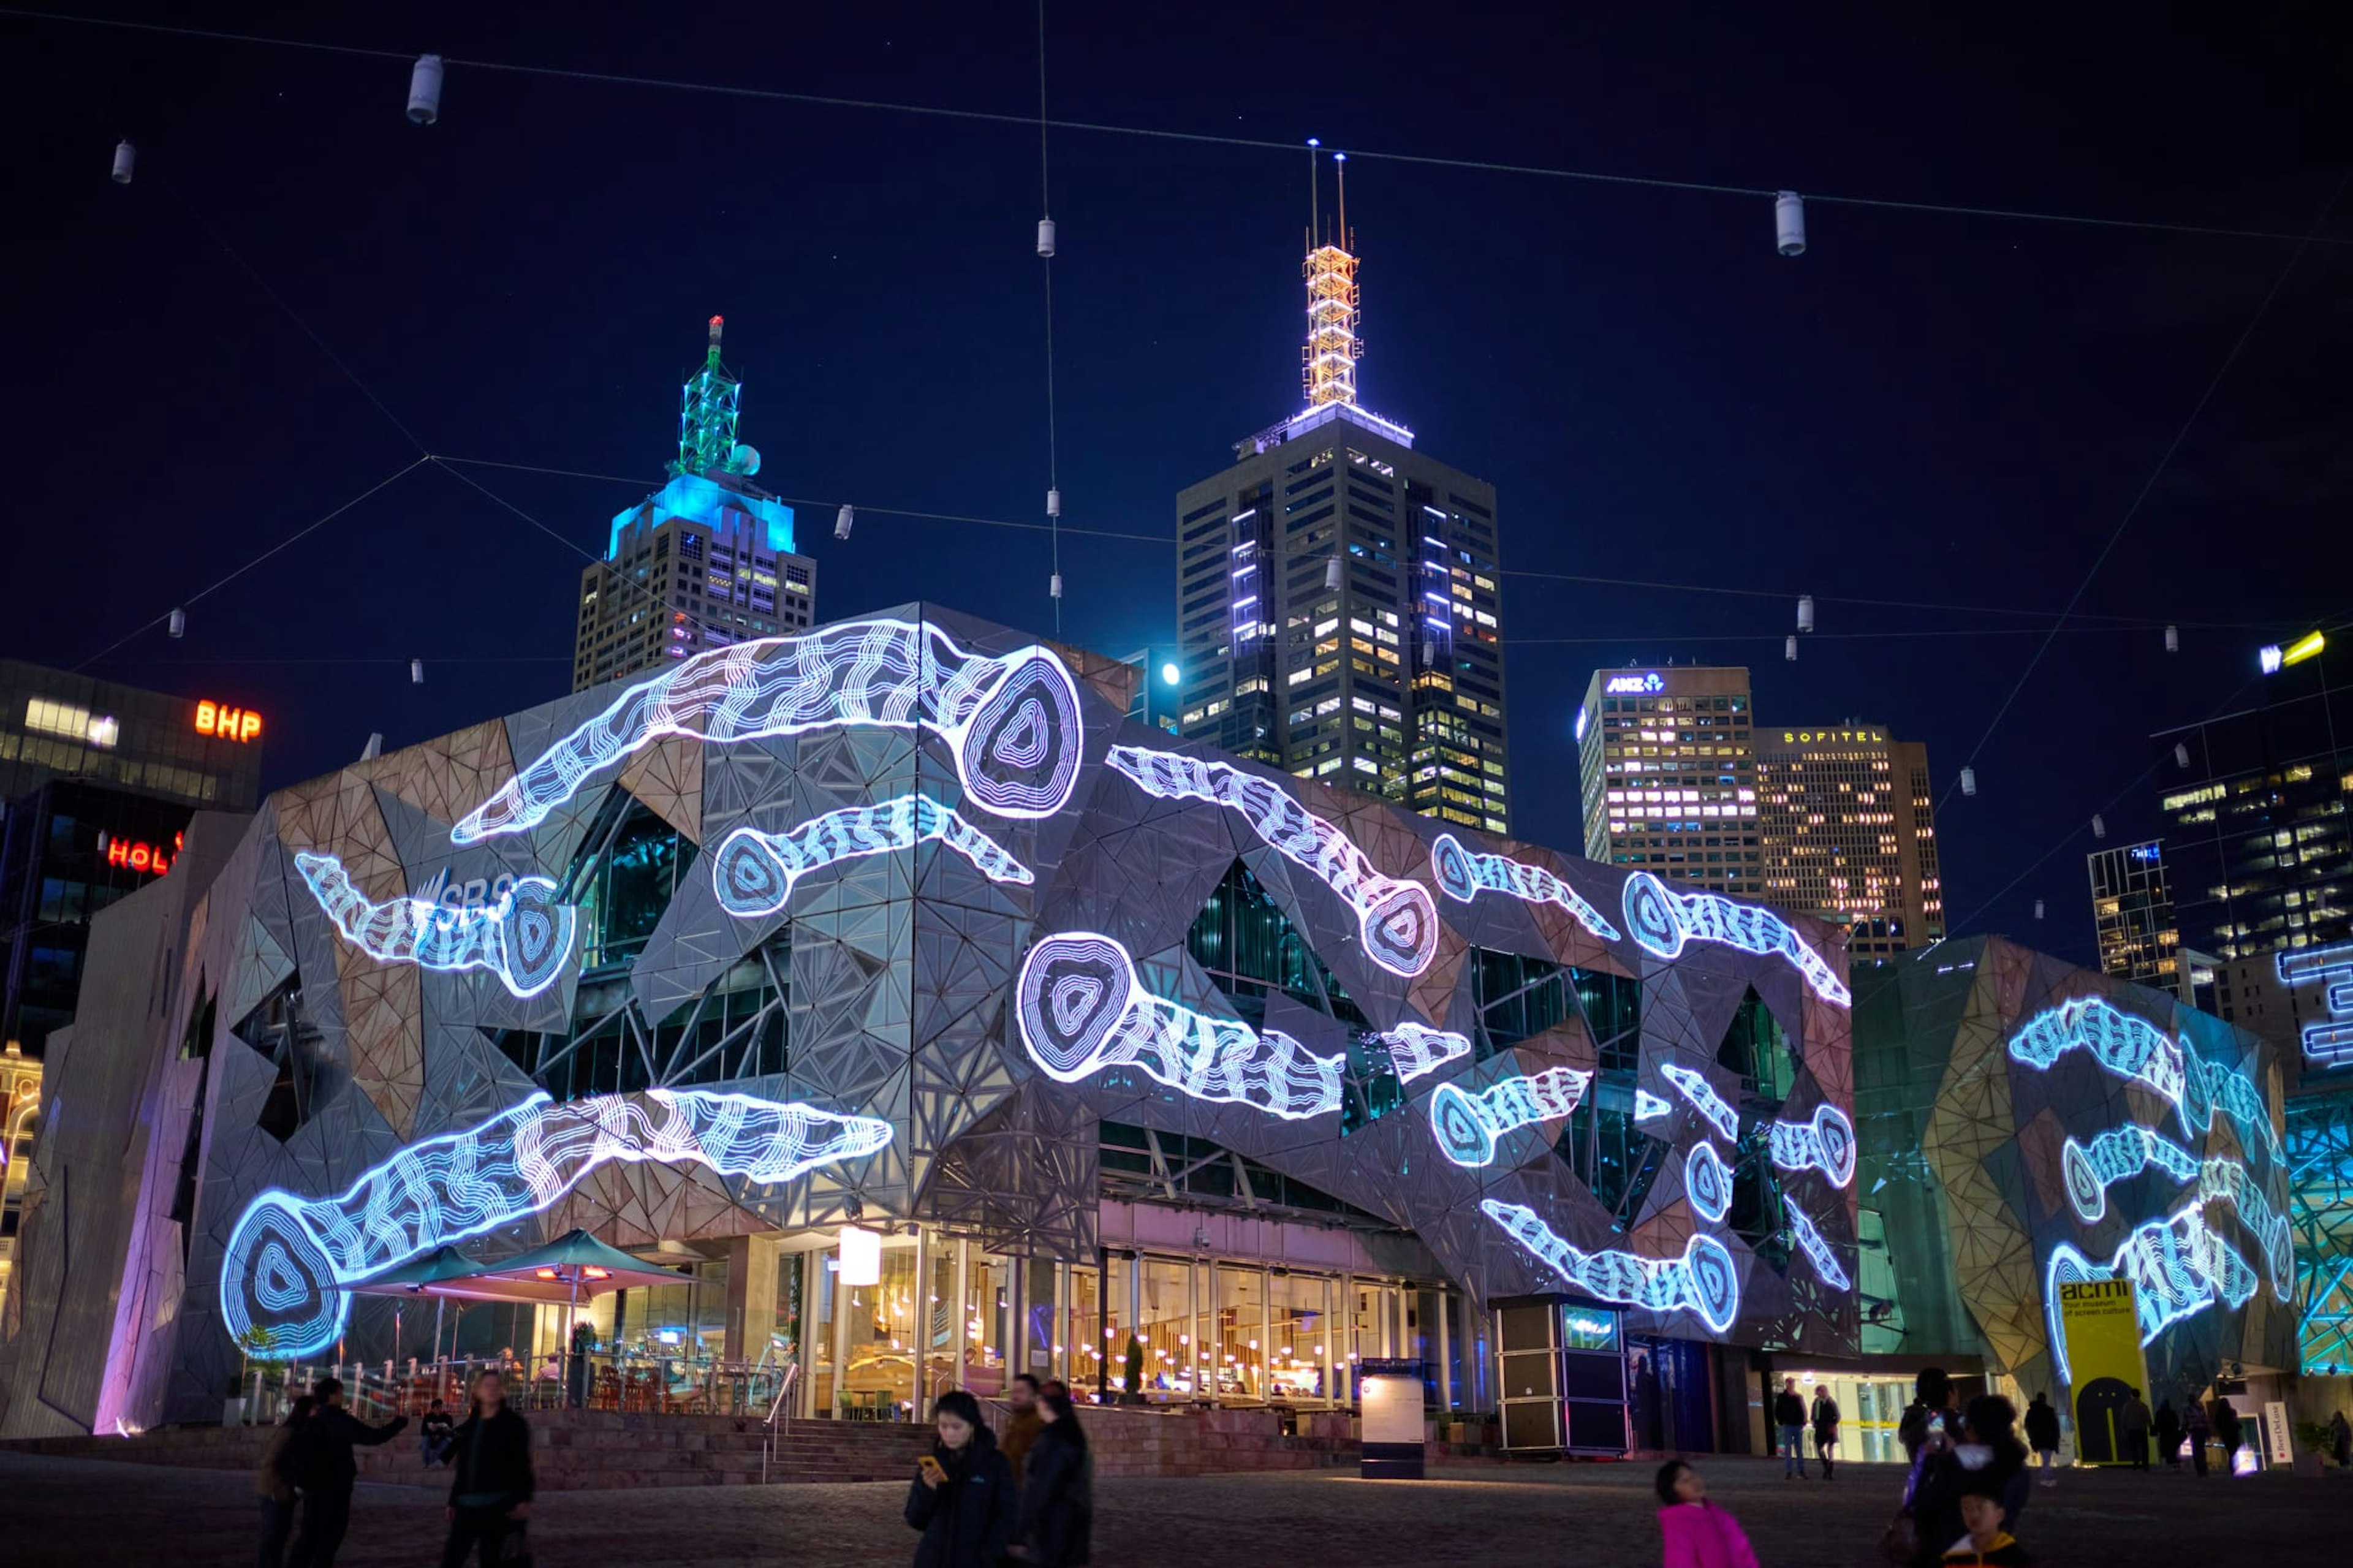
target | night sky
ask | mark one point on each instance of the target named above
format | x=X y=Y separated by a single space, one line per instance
x=1928 y=409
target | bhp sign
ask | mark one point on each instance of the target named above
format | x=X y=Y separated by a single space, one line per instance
x=227 y=723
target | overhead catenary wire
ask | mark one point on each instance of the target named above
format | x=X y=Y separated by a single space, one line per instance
x=1478 y=166
x=1046 y=248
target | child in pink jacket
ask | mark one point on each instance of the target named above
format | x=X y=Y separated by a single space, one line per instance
x=1698 y=1533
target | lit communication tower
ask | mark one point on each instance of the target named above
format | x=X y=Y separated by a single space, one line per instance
x=706 y=414
x=1329 y=360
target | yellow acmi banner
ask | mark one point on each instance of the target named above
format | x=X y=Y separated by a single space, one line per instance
x=2102 y=1324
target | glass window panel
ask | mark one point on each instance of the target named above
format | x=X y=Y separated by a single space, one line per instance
x=1239 y=1343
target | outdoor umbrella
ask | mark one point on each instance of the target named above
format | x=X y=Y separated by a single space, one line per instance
x=424 y=1277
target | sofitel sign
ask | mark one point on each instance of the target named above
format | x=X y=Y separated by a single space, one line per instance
x=226 y=723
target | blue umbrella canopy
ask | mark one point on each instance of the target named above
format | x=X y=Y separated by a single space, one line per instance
x=418 y=1275
x=578 y=1258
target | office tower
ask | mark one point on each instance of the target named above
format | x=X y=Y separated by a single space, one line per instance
x=1668 y=771
x=2131 y=911
x=1337 y=601
x=203 y=751
x=1849 y=829
x=2259 y=818
x=704 y=561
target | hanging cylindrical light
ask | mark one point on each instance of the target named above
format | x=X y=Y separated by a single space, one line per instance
x=2173 y=640
x=126 y=158
x=1054 y=503
x=1054 y=585
x=177 y=624
x=861 y=1255
x=424 y=90
x=2099 y=825
x=1429 y=653
x=1332 y=574
x=2180 y=754
x=1045 y=237
x=104 y=838
x=415 y=672
x=1790 y=648
x=843 y=518
x=1805 y=612
x=1790 y=223
x=2037 y=908
x=1968 y=781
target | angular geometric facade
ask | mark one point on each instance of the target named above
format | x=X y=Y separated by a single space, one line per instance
x=878 y=922
x=2025 y=1121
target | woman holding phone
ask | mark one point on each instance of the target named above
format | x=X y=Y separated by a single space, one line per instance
x=962 y=1498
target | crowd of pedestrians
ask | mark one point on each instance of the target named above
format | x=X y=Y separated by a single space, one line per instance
x=1029 y=1498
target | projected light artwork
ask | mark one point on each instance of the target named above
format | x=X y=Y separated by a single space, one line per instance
x=2179 y=1267
x=1467 y=1125
x=1703 y=1281
x=1707 y=1182
x=2329 y=1040
x=2226 y=1181
x=1663 y=921
x=1825 y=1145
x=523 y=937
x=1083 y=1009
x=1704 y=1099
x=1463 y=874
x=1012 y=721
x=1649 y=1106
x=2089 y=1170
x=754 y=872
x=1397 y=920
x=290 y=1259
x=2132 y=1048
x=1417 y=1049
x=1817 y=1250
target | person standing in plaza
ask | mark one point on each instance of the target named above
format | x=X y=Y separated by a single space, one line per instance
x=2166 y=1425
x=2043 y=1436
x=2197 y=1428
x=325 y=1470
x=962 y=1498
x=2341 y=1440
x=1824 y=1419
x=2132 y=1430
x=492 y=1484
x=1023 y=1423
x=1694 y=1532
x=1931 y=1413
x=1058 y=1505
x=1789 y=1422
x=2226 y=1431
x=274 y=1481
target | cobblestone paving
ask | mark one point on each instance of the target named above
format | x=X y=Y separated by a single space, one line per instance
x=1590 y=1516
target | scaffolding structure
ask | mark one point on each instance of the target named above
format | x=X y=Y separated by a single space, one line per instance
x=707 y=410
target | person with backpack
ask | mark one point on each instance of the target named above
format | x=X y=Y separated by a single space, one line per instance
x=1824 y=1418
x=2043 y=1436
x=1789 y=1423
x=1056 y=1527
x=491 y=1482
x=962 y=1497
x=274 y=1482
x=325 y=1470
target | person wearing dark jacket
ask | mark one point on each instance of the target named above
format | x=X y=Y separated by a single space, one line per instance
x=1987 y=1459
x=962 y=1497
x=490 y=1491
x=2043 y=1436
x=325 y=1469
x=1058 y=1505
x=273 y=1482
x=1789 y=1424
x=1023 y=1422
x=2168 y=1423
x=2226 y=1429
x=1824 y=1417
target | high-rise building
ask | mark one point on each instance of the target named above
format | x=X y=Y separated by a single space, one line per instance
x=704 y=561
x=2132 y=912
x=1668 y=770
x=55 y=724
x=1336 y=594
x=2259 y=819
x=1849 y=829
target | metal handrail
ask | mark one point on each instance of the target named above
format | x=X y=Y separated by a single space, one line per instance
x=778 y=1409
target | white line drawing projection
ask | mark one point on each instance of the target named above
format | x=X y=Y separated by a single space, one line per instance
x=1467 y=1125
x=2089 y=1170
x=754 y=872
x=524 y=937
x=2132 y=1048
x=1703 y=1281
x=1817 y=1250
x=1012 y=721
x=1707 y=1182
x=290 y=1259
x=1649 y=1106
x=1082 y=1008
x=1397 y=920
x=1825 y=1145
x=1417 y=1049
x=2226 y=1181
x=2179 y=1267
x=1463 y=874
x=1704 y=1099
x=1663 y=921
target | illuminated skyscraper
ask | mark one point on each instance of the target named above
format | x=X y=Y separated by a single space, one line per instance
x=1337 y=593
x=1847 y=821
x=1668 y=770
x=2131 y=911
x=704 y=561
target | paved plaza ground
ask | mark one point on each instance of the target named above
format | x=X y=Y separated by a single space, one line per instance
x=1589 y=1516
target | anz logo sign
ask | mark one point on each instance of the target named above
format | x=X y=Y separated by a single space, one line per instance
x=1650 y=680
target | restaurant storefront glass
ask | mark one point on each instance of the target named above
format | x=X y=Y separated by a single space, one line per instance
x=1869 y=1408
x=939 y=1318
x=1301 y=1363
x=878 y=1334
x=987 y=1321
x=1238 y=1341
x=1082 y=1354
x=1165 y=1325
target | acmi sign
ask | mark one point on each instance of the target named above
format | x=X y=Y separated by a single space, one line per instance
x=1650 y=680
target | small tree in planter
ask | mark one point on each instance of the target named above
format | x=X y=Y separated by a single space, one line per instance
x=1134 y=1370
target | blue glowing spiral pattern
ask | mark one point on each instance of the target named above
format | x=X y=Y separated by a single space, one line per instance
x=2088 y=1170
x=1463 y=874
x=2178 y=1265
x=524 y=937
x=1694 y=1087
x=290 y=1259
x=1012 y=721
x=1663 y=921
x=1707 y=1182
x=754 y=872
x=1417 y=1049
x=1396 y=920
x=1704 y=1281
x=1817 y=1250
x=2129 y=1046
x=1826 y=1144
x=1467 y=1125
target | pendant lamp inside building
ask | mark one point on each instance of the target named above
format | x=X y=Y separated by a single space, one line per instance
x=861 y=1255
x=424 y=90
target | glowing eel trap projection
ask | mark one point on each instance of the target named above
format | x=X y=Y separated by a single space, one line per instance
x=1704 y=1281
